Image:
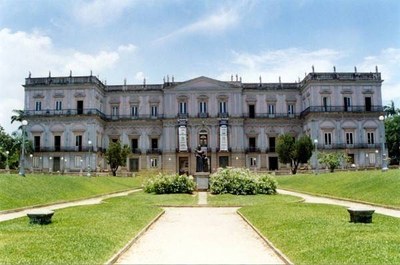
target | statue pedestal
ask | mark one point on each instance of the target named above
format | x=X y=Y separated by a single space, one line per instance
x=201 y=179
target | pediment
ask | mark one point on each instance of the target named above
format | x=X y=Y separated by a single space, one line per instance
x=204 y=83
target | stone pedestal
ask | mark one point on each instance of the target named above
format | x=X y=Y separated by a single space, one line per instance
x=201 y=179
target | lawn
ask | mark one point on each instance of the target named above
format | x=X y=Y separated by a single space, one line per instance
x=17 y=191
x=83 y=235
x=319 y=234
x=369 y=186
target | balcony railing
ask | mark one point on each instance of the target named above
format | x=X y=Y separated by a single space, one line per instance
x=350 y=146
x=136 y=151
x=270 y=150
x=270 y=115
x=351 y=109
x=189 y=150
x=229 y=150
x=68 y=149
x=154 y=151
x=252 y=150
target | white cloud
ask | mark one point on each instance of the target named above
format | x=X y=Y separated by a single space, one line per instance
x=127 y=48
x=139 y=76
x=21 y=52
x=289 y=64
x=222 y=19
x=100 y=12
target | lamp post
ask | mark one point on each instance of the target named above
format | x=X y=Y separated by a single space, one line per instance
x=81 y=171
x=383 y=154
x=22 y=160
x=7 y=166
x=376 y=158
x=31 y=156
x=316 y=156
x=90 y=146
x=50 y=168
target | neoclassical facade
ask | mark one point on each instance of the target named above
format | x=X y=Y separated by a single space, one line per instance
x=72 y=120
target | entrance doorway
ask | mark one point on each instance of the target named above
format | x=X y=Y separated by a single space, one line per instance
x=183 y=165
x=56 y=164
x=273 y=163
x=133 y=164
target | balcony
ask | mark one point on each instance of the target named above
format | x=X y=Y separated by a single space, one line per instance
x=229 y=150
x=252 y=150
x=136 y=151
x=349 y=146
x=183 y=116
x=68 y=149
x=270 y=115
x=350 y=109
x=202 y=115
x=153 y=151
x=270 y=150
x=189 y=150
x=223 y=115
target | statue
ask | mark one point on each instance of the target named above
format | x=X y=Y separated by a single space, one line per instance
x=201 y=160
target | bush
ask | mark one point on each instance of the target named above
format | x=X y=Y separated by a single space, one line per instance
x=165 y=184
x=241 y=182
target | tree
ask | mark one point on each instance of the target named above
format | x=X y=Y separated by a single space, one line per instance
x=294 y=151
x=116 y=155
x=392 y=134
x=333 y=159
x=18 y=116
x=390 y=110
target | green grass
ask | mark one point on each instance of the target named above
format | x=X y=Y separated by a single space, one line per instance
x=82 y=235
x=368 y=186
x=17 y=192
x=319 y=234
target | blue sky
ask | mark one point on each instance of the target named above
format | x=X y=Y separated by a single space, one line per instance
x=119 y=39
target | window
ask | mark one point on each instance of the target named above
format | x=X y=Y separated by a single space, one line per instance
x=328 y=138
x=271 y=109
x=252 y=111
x=252 y=142
x=78 y=161
x=347 y=103
x=58 y=105
x=372 y=158
x=253 y=161
x=154 y=111
x=325 y=103
x=115 y=111
x=203 y=107
x=79 y=106
x=182 y=107
x=222 y=107
x=203 y=138
x=368 y=104
x=38 y=105
x=134 y=145
x=153 y=162
x=78 y=142
x=36 y=162
x=370 y=138
x=154 y=143
x=134 y=111
x=349 y=138
x=290 y=109
x=36 y=143
x=272 y=144
x=57 y=143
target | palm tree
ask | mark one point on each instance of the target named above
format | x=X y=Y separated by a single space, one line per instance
x=390 y=109
x=19 y=115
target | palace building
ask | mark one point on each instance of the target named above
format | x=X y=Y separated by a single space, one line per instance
x=72 y=120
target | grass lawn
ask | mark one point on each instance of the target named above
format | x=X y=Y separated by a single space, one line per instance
x=319 y=234
x=17 y=191
x=85 y=234
x=368 y=186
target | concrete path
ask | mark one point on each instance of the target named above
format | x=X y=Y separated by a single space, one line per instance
x=97 y=200
x=324 y=200
x=202 y=198
x=200 y=235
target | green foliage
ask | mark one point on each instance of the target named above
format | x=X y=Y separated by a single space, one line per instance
x=294 y=151
x=354 y=185
x=167 y=184
x=241 y=182
x=333 y=160
x=392 y=129
x=116 y=155
x=42 y=189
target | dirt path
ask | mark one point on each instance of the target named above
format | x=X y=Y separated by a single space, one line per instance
x=200 y=235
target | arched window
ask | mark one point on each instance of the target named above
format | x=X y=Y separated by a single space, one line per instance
x=203 y=138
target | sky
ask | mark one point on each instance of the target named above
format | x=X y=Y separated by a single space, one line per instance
x=137 y=39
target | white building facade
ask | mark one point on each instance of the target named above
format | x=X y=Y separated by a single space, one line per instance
x=72 y=120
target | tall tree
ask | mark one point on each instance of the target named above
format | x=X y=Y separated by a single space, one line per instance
x=390 y=109
x=116 y=155
x=392 y=134
x=294 y=151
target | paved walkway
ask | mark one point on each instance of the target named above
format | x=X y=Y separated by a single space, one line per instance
x=200 y=235
x=324 y=200
x=202 y=198
x=97 y=200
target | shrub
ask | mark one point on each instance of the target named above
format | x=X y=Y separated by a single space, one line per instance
x=164 y=184
x=241 y=182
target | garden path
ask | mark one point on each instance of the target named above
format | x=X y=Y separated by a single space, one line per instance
x=200 y=235
x=202 y=198
x=9 y=215
x=325 y=200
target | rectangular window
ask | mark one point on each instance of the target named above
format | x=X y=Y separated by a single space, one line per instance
x=203 y=107
x=38 y=105
x=347 y=103
x=372 y=158
x=79 y=106
x=78 y=161
x=252 y=111
x=154 y=111
x=154 y=143
x=78 y=142
x=272 y=144
x=271 y=109
x=115 y=111
x=328 y=138
x=134 y=111
x=349 y=138
x=153 y=162
x=290 y=109
x=36 y=143
x=134 y=145
x=325 y=103
x=57 y=143
x=370 y=138
x=58 y=105
x=252 y=142
x=36 y=162
x=182 y=107
x=222 y=107
x=253 y=161
x=368 y=104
